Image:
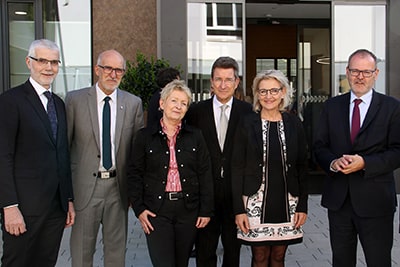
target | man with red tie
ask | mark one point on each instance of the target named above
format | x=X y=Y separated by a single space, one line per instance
x=358 y=146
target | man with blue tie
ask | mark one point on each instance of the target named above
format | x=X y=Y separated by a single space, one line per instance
x=102 y=123
x=35 y=176
x=358 y=146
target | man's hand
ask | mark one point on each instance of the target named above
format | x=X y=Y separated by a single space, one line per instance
x=14 y=221
x=70 y=215
x=349 y=164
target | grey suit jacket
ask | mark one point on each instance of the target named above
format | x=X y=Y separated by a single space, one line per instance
x=84 y=140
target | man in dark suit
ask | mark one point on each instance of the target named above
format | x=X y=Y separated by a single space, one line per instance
x=164 y=76
x=35 y=180
x=358 y=145
x=99 y=153
x=207 y=116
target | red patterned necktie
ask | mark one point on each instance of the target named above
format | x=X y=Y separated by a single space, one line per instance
x=355 y=120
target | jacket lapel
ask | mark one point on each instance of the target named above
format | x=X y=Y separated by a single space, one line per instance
x=121 y=107
x=372 y=111
x=209 y=117
x=92 y=105
x=37 y=105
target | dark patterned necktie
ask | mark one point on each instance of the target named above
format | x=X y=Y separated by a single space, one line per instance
x=355 y=120
x=107 y=162
x=51 y=113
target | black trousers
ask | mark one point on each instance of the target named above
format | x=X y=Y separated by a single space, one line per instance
x=375 y=235
x=174 y=234
x=39 y=245
x=221 y=225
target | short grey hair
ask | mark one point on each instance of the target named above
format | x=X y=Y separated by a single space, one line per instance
x=280 y=78
x=176 y=85
x=44 y=43
x=101 y=55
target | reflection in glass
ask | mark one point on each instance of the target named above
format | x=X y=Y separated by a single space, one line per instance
x=21 y=33
x=214 y=29
x=63 y=22
x=372 y=20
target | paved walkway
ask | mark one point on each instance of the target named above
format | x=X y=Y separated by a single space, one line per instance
x=313 y=252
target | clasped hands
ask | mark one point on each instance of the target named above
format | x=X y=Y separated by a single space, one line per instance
x=348 y=164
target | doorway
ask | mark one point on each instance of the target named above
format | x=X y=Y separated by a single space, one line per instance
x=296 y=39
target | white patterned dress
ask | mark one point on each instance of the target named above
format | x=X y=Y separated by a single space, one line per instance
x=271 y=210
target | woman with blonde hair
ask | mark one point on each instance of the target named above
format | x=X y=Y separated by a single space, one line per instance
x=268 y=181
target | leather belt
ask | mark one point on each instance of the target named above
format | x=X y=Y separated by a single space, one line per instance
x=107 y=174
x=174 y=195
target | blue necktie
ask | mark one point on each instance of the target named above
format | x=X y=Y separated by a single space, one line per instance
x=51 y=113
x=107 y=162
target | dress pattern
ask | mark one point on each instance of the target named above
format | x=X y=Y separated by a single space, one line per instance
x=278 y=227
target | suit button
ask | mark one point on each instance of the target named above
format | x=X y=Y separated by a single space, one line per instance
x=179 y=150
x=159 y=197
x=98 y=156
x=94 y=175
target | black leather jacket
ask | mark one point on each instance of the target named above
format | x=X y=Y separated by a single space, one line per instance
x=148 y=170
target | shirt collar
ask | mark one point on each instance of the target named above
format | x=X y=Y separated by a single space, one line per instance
x=38 y=88
x=366 y=98
x=101 y=95
x=219 y=104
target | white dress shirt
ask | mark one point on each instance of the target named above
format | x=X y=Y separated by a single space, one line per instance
x=113 y=108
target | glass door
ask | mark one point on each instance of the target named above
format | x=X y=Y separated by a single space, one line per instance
x=20 y=20
x=62 y=21
x=313 y=74
x=348 y=37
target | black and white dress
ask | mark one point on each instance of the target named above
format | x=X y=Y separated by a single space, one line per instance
x=271 y=210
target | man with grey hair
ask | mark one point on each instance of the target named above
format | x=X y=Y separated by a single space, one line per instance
x=35 y=181
x=102 y=122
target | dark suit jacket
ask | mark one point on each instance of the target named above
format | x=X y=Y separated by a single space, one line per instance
x=372 y=190
x=248 y=162
x=201 y=115
x=33 y=165
x=148 y=170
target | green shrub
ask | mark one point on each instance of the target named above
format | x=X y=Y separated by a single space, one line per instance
x=140 y=77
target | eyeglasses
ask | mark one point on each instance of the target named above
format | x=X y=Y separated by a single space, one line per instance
x=228 y=81
x=365 y=73
x=43 y=61
x=108 y=70
x=272 y=91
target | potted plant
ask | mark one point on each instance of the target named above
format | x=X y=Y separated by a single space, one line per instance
x=140 y=77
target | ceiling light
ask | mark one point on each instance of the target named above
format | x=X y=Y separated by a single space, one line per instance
x=21 y=13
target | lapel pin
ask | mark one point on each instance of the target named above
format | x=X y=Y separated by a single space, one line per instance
x=121 y=107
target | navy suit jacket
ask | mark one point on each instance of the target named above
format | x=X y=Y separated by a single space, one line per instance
x=33 y=165
x=372 y=190
x=201 y=115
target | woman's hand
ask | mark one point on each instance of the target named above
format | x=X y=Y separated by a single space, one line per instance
x=202 y=222
x=144 y=221
x=300 y=218
x=242 y=222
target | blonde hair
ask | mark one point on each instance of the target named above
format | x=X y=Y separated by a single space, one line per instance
x=178 y=85
x=280 y=78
